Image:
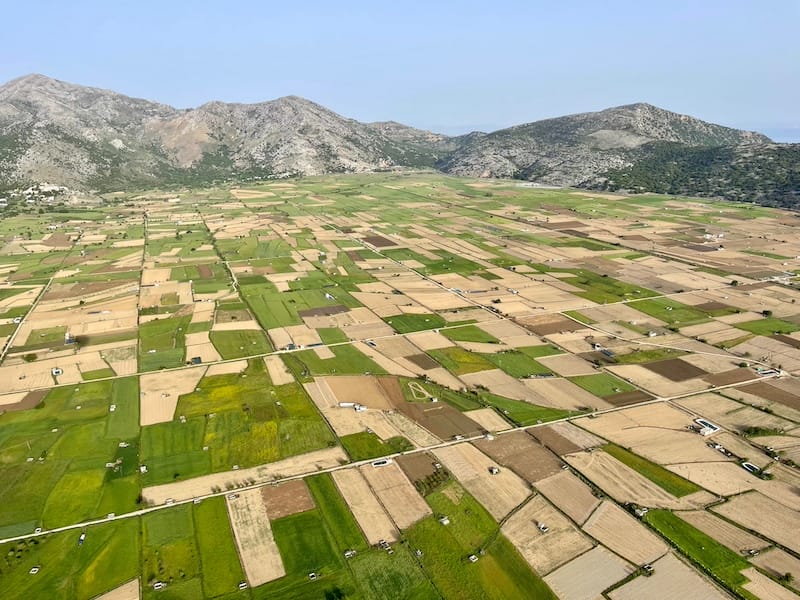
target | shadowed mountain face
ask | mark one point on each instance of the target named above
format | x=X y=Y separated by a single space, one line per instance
x=91 y=138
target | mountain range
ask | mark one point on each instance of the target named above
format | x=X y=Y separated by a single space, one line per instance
x=88 y=138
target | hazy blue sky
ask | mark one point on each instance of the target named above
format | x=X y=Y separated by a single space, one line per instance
x=442 y=65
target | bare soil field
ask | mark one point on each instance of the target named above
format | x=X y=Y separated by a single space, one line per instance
x=258 y=552
x=765 y=588
x=570 y=495
x=293 y=466
x=619 y=531
x=585 y=577
x=127 y=591
x=626 y=485
x=565 y=438
x=442 y=420
x=286 y=499
x=671 y=580
x=521 y=453
x=411 y=430
x=761 y=514
x=159 y=393
x=779 y=562
x=675 y=369
x=728 y=377
x=397 y=494
x=366 y=508
x=417 y=466
x=21 y=400
x=738 y=540
x=488 y=419
x=767 y=391
x=499 y=493
x=544 y=551
x=549 y=324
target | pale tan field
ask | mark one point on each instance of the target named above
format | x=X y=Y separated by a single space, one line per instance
x=576 y=435
x=764 y=515
x=729 y=535
x=371 y=516
x=488 y=419
x=671 y=580
x=722 y=478
x=765 y=588
x=411 y=430
x=585 y=577
x=227 y=368
x=567 y=365
x=498 y=382
x=544 y=551
x=626 y=485
x=397 y=494
x=159 y=393
x=619 y=531
x=656 y=384
x=732 y=415
x=250 y=325
x=288 y=467
x=278 y=373
x=499 y=494
x=779 y=562
x=258 y=552
x=570 y=495
x=127 y=591
x=561 y=393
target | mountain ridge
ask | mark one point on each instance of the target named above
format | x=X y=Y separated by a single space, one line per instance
x=88 y=137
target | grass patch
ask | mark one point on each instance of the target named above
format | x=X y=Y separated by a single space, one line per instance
x=670 y=311
x=517 y=364
x=540 y=351
x=98 y=374
x=459 y=361
x=602 y=384
x=469 y=333
x=364 y=445
x=666 y=480
x=768 y=326
x=638 y=355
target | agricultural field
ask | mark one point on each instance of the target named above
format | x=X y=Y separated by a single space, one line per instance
x=398 y=385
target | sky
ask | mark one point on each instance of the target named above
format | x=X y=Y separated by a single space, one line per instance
x=447 y=66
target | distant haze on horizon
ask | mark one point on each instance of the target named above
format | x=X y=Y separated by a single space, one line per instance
x=451 y=67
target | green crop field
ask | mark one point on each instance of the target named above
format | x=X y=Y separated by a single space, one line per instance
x=768 y=326
x=108 y=558
x=238 y=344
x=363 y=445
x=343 y=528
x=500 y=571
x=469 y=333
x=667 y=480
x=517 y=364
x=219 y=561
x=670 y=311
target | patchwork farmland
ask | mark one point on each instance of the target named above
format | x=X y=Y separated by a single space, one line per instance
x=401 y=385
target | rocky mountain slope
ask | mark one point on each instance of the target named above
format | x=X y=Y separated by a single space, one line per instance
x=91 y=138
x=577 y=149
